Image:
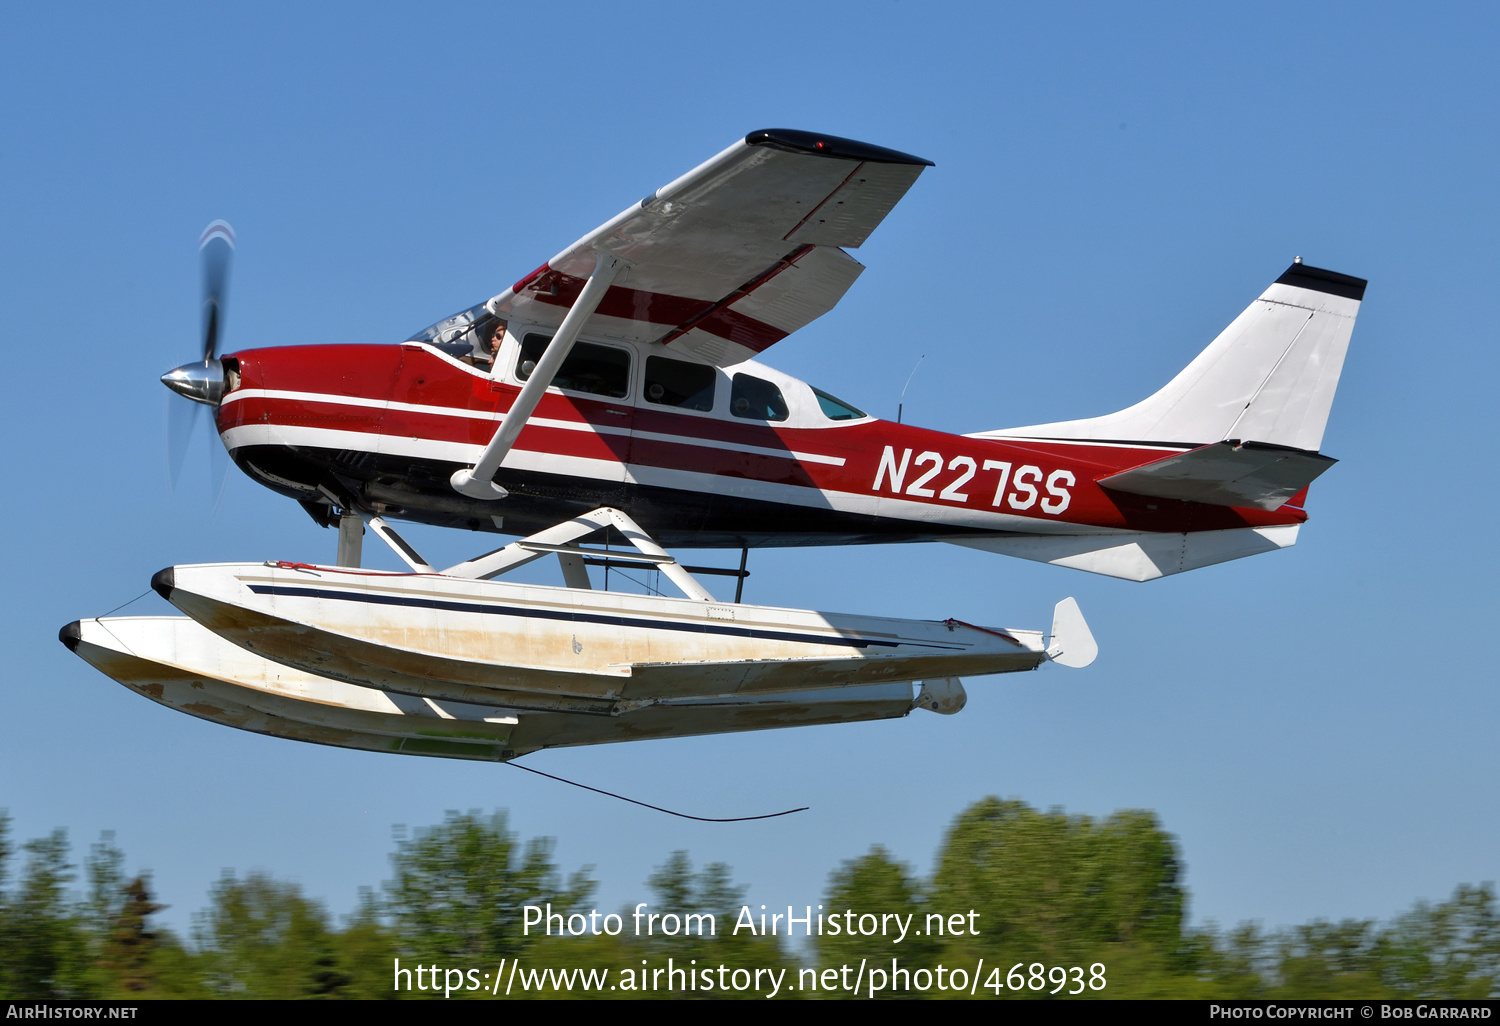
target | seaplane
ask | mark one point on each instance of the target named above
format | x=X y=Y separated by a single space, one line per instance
x=618 y=388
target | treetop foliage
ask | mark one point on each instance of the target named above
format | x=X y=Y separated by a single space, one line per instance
x=1044 y=887
x=460 y=887
x=1060 y=886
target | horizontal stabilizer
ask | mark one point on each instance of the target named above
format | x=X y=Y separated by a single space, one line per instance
x=1139 y=556
x=1245 y=474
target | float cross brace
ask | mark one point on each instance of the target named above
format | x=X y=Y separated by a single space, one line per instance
x=562 y=541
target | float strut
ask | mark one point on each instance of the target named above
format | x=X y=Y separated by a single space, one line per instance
x=351 y=539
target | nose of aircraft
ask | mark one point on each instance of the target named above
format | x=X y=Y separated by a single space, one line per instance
x=200 y=382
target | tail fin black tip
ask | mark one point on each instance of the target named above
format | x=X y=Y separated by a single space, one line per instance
x=1319 y=280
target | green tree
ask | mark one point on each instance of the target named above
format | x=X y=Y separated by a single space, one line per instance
x=1329 y=960
x=877 y=884
x=366 y=950
x=1066 y=891
x=680 y=892
x=261 y=938
x=680 y=939
x=44 y=951
x=8 y=950
x=1450 y=950
x=175 y=971
x=129 y=948
x=105 y=871
x=460 y=888
x=6 y=851
x=1236 y=965
x=711 y=891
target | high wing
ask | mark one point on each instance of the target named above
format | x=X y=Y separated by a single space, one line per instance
x=733 y=256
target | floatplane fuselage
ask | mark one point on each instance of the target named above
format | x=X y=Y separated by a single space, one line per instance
x=1213 y=467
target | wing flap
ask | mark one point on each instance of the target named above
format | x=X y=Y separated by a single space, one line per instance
x=801 y=289
x=1245 y=474
x=806 y=290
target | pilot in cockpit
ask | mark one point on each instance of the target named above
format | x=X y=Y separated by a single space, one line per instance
x=491 y=348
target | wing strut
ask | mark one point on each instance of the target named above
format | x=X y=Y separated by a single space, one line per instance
x=478 y=481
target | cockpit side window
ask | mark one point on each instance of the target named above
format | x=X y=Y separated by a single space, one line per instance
x=756 y=399
x=589 y=368
x=459 y=350
x=688 y=386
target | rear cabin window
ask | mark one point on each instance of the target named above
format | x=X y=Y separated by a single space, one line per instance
x=688 y=386
x=836 y=409
x=589 y=368
x=756 y=399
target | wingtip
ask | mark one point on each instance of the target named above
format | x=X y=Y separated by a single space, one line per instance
x=830 y=146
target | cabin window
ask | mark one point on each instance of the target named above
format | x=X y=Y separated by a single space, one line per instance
x=688 y=386
x=756 y=399
x=589 y=368
x=836 y=409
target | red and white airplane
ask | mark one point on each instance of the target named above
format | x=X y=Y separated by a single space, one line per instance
x=628 y=378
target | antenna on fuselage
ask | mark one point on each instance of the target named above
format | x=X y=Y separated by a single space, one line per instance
x=899 y=402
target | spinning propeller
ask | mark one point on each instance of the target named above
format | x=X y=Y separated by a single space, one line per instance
x=203 y=382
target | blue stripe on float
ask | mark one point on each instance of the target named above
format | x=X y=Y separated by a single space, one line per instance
x=576 y=617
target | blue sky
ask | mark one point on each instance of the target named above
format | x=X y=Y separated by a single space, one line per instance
x=1113 y=184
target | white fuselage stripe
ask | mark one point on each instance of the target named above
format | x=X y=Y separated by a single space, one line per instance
x=662 y=477
x=994 y=436
x=548 y=422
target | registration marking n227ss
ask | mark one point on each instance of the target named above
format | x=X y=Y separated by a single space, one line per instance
x=1018 y=488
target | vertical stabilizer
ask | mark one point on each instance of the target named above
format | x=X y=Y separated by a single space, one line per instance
x=1269 y=377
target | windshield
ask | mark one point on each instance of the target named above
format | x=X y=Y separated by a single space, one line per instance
x=455 y=327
